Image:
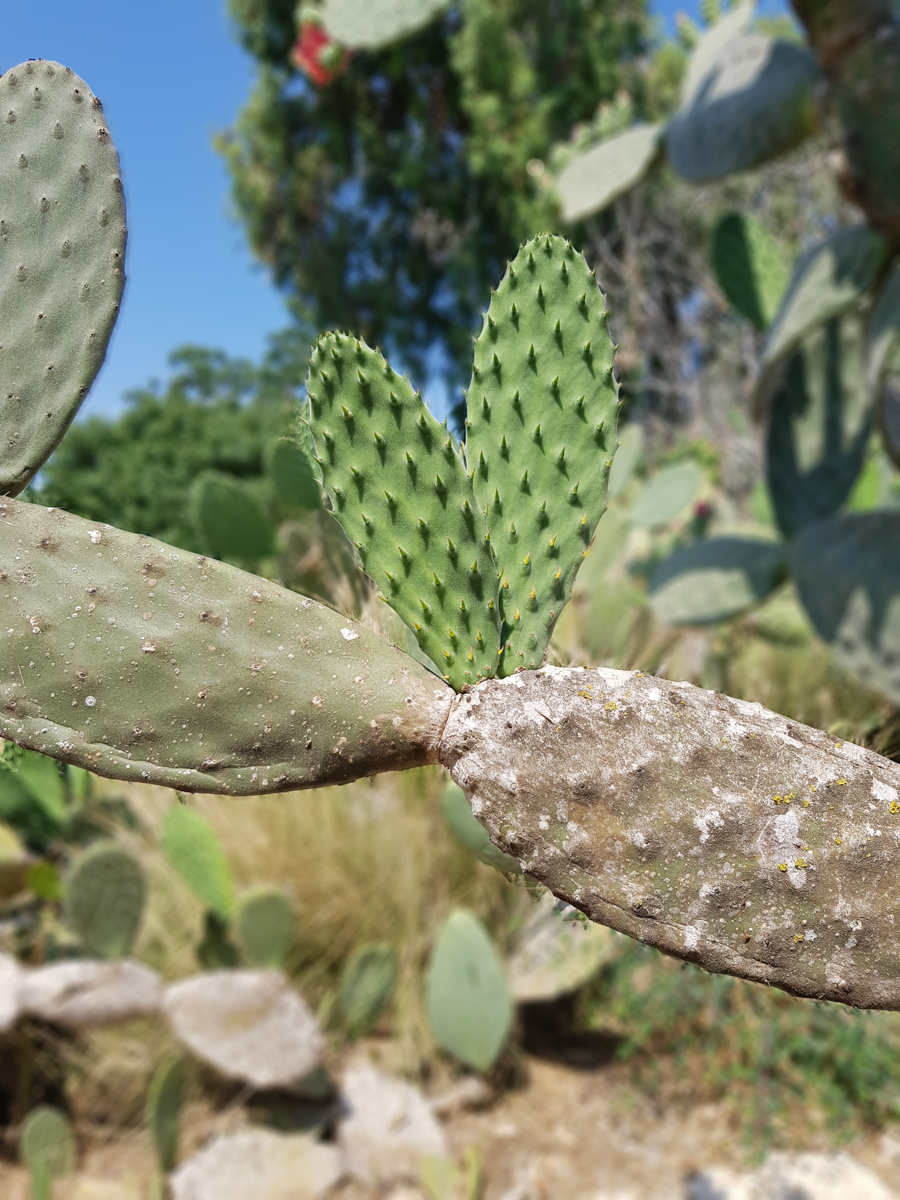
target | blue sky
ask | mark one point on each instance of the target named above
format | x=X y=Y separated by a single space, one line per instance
x=170 y=75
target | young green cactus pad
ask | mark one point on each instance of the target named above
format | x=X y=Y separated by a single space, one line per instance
x=165 y=1098
x=819 y=427
x=398 y=486
x=264 y=923
x=47 y=1147
x=156 y=665
x=190 y=844
x=104 y=899
x=750 y=267
x=829 y=280
x=367 y=984
x=371 y=24
x=715 y=579
x=62 y=249
x=230 y=520
x=748 y=98
x=467 y=998
x=596 y=178
x=293 y=477
x=849 y=583
x=666 y=495
x=542 y=410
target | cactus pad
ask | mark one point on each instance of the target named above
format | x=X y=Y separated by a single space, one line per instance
x=104 y=899
x=62 y=249
x=292 y=474
x=666 y=495
x=715 y=579
x=469 y=831
x=749 y=266
x=165 y=1098
x=264 y=923
x=398 y=486
x=371 y=24
x=467 y=997
x=367 y=985
x=819 y=427
x=230 y=520
x=600 y=175
x=190 y=844
x=542 y=408
x=47 y=1147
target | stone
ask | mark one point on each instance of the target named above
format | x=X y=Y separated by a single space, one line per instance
x=10 y=986
x=249 y=1025
x=793 y=1177
x=387 y=1127
x=260 y=1164
x=84 y=993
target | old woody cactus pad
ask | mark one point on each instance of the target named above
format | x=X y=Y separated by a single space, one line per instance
x=62 y=249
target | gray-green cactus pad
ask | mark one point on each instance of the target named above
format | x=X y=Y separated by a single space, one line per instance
x=62 y=249
x=847 y=574
x=399 y=488
x=470 y=1008
x=819 y=427
x=190 y=844
x=165 y=1098
x=667 y=495
x=884 y=327
x=47 y=1145
x=292 y=473
x=827 y=281
x=371 y=24
x=104 y=899
x=138 y=661
x=367 y=984
x=265 y=923
x=600 y=175
x=229 y=519
x=750 y=267
x=469 y=831
x=715 y=579
x=542 y=411
x=749 y=98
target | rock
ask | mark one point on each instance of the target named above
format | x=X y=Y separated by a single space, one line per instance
x=386 y=1128
x=554 y=957
x=87 y=1188
x=250 y=1025
x=469 y=1092
x=83 y=993
x=793 y=1177
x=258 y=1164
x=10 y=986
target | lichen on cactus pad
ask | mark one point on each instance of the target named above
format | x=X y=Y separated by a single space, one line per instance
x=399 y=488
x=62 y=249
x=542 y=409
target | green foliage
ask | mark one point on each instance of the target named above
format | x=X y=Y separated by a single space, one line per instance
x=467 y=998
x=62 y=250
x=191 y=846
x=541 y=433
x=33 y=796
x=666 y=495
x=165 y=1098
x=399 y=488
x=750 y=267
x=715 y=579
x=367 y=985
x=104 y=899
x=47 y=1147
x=819 y=427
x=430 y=138
x=264 y=923
x=229 y=520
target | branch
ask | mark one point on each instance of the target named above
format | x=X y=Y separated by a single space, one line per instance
x=144 y=663
x=707 y=827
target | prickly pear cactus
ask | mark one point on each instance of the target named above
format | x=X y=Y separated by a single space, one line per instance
x=62 y=249
x=47 y=1147
x=165 y=1098
x=104 y=899
x=467 y=998
x=371 y=24
x=398 y=485
x=542 y=409
x=264 y=923
x=191 y=846
x=367 y=985
x=230 y=520
x=749 y=266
